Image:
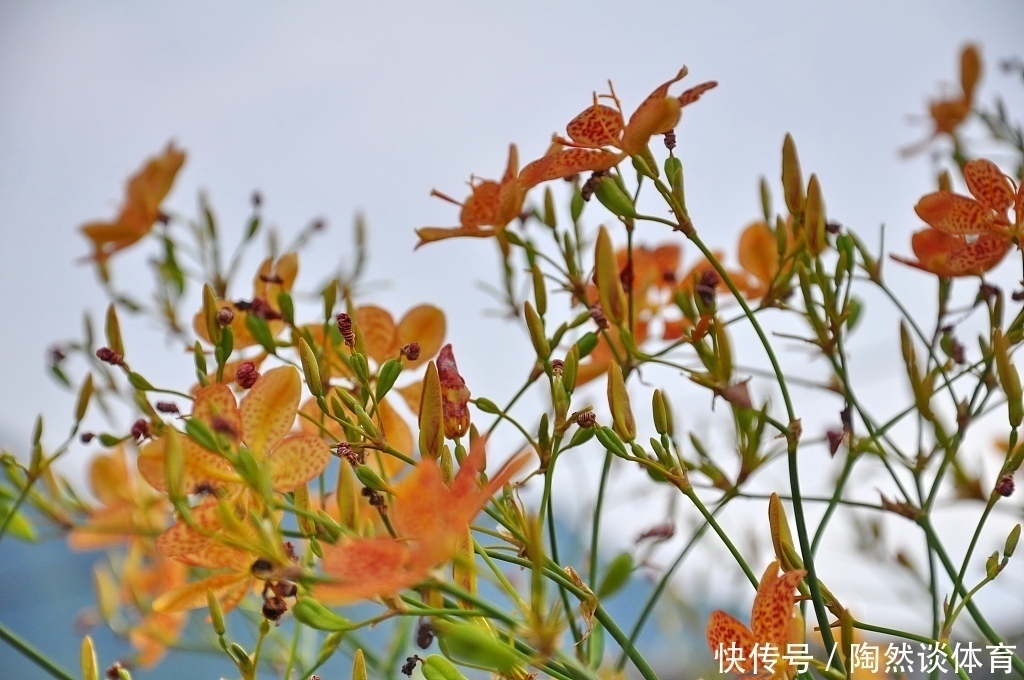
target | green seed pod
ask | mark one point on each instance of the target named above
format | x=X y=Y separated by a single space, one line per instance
x=576 y=206
x=536 y=327
x=586 y=344
x=610 y=440
x=138 y=382
x=210 y=310
x=618 y=402
x=540 y=292
x=436 y=667
x=200 y=359
x=570 y=368
x=473 y=645
x=287 y=307
x=486 y=405
x=609 y=282
x=1009 y=379
x=616 y=576
x=387 y=376
x=113 y=329
x=310 y=367
x=792 y=181
x=216 y=614
x=662 y=413
x=1011 y=542
x=313 y=614
x=370 y=479
x=87 y=657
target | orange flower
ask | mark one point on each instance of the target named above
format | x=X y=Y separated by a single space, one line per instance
x=489 y=208
x=429 y=518
x=130 y=509
x=271 y=279
x=145 y=191
x=600 y=126
x=758 y=254
x=948 y=114
x=773 y=626
x=968 y=236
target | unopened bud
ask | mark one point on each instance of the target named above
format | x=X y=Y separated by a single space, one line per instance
x=1005 y=486
x=109 y=356
x=225 y=316
x=411 y=351
x=140 y=429
x=247 y=375
x=345 y=328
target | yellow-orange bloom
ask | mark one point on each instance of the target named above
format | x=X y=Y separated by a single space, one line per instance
x=430 y=519
x=773 y=626
x=130 y=510
x=141 y=208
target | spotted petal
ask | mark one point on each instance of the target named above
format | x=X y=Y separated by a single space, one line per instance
x=730 y=640
x=566 y=163
x=296 y=460
x=773 y=605
x=596 y=126
x=268 y=410
x=193 y=595
x=989 y=185
x=954 y=214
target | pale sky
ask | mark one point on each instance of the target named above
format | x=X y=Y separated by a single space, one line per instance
x=329 y=110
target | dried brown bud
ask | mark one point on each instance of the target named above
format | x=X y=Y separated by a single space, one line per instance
x=590 y=186
x=345 y=328
x=257 y=199
x=345 y=450
x=274 y=608
x=86 y=437
x=375 y=499
x=586 y=419
x=140 y=429
x=109 y=356
x=410 y=665
x=670 y=140
x=114 y=671
x=1005 y=486
x=833 y=227
x=262 y=309
x=424 y=633
x=167 y=407
x=411 y=351
x=247 y=375
x=225 y=316
x=556 y=366
x=707 y=286
x=661 y=532
x=835 y=440
x=57 y=355
x=597 y=314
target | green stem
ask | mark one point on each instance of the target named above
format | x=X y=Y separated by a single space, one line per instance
x=597 y=518
x=33 y=654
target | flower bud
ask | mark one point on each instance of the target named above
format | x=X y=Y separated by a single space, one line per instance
x=310 y=367
x=609 y=283
x=246 y=375
x=313 y=614
x=1005 y=486
x=454 y=395
x=662 y=413
x=431 y=419
x=792 y=181
x=536 y=327
x=113 y=329
x=216 y=614
x=87 y=657
x=618 y=402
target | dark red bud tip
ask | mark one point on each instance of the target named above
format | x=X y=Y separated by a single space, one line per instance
x=140 y=429
x=167 y=407
x=670 y=140
x=247 y=375
x=109 y=356
x=835 y=439
x=225 y=316
x=345 y=328
x=597 y=314
x=556 y=366
x=1005 y=486
x=86 y=437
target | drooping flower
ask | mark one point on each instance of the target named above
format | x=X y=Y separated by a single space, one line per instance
x=145 y=191
x=430 y=519
x=758 y=650
x=600 y=126
x=491 y=206
x=949 y=113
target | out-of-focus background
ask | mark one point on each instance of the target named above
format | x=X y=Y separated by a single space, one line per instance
x=328 y=110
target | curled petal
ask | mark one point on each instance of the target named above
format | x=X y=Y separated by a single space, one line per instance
x=773 y=606
x=989 y=185
x=954 y=214
x=268 y=410
x=562 y=164
x=759 y=253
x=431 y=234
x=694 y=93
x=726 y=633
x=951 y=256
x=596 y=126
x=657 y=114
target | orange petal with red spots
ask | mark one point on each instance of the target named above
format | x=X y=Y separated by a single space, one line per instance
x=215 y=405
x=566 y=163
x=773 y=605
x=725 y=633
x=181 y=539
x=989 y=185
x=368 y=568
x=425 y=325
x=268 y=410
x=954 y=214
x=481 y=206
x=296 y=460
x=978 y=257
x=199 y=466
x=694 y=93
x=596 y=126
